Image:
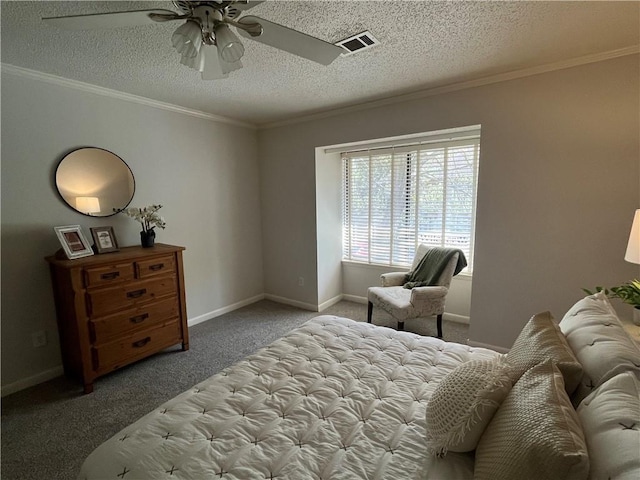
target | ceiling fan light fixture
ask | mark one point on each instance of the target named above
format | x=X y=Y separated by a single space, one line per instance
x=205 y=23
x=228 y=67
x=187 y=39
x=197 y=62
x=229 y=46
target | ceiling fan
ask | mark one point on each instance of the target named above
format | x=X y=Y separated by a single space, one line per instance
x=206 y=24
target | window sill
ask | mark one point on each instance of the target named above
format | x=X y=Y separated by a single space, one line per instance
x=464 y=276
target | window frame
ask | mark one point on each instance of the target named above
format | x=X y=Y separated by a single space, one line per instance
x=415 y=149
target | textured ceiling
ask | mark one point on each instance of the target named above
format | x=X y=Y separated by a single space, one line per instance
x=425 y=44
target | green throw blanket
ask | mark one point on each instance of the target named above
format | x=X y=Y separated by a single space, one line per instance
x=430 y=268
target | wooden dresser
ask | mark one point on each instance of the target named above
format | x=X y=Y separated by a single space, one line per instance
x=116 y=308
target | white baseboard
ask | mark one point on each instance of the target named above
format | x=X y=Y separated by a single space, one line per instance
x=32 y=380
x=221 y=311
x=452 y=317
x=355 y=298
x=59 y=370
x=330 y=302
x=471 y=343
x=293 y=303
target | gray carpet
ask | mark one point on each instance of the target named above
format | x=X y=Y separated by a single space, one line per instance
x=49 y=429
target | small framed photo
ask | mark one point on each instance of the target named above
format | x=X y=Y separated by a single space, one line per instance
x=104 y=239
x=74 y=243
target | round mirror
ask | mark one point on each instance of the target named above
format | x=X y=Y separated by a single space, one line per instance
x=94 y=181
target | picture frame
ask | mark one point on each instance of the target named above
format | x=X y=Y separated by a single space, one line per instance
x=73 y=241
x=104 y=239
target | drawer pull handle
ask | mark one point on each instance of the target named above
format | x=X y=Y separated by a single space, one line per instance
x=156 y=267
x=141 y=343
x=109 y=276
x=139 y=318
x=136 y=293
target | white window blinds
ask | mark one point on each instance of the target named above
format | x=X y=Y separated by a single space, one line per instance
x=398 y=197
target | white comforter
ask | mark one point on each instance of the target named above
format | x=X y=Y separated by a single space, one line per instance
x=333 y=399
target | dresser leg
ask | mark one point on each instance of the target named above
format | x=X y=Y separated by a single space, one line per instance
x=185 y=347
x=88 y=387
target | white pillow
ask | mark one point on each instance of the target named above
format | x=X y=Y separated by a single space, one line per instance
x=539 y=340
x=600 y=343
x=535 y=434
x=463 y=404
x=596 y=304
x=610 y=419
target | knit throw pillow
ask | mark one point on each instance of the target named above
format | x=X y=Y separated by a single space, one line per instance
x=535 y=434
x=463 y=404
x=539 y=340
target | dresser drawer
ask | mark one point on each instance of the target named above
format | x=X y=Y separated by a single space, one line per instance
x=155 y=266
x=124 y=323
x=108 y=274
x=108 y=300
x=120 y=352
x=115 y=309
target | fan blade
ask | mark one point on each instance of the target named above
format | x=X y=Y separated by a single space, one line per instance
x=108 y=20
x=212 y=69
x=292 y=41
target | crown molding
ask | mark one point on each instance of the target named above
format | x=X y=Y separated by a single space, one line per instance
x=107 y=92
x=454 y=87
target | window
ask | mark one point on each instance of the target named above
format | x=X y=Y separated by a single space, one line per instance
x=399 y=196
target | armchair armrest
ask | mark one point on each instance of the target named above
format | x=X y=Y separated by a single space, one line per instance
x=423 y=295
x=393 y=279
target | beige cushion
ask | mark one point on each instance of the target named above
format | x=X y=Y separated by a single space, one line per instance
x=610 y=419
x=600 y=342
x=535 y=434
x=541 y=339
x=397 y=301
x=463 y=404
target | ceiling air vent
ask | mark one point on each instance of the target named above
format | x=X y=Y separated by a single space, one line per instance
x=358 y=43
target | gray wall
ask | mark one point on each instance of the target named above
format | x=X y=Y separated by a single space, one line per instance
x=329 y=227
x=558 y=185
x=205 y=173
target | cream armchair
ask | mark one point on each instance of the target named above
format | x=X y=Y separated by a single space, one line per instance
x=403 y=303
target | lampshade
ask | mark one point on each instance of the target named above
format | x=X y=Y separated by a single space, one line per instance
x=633 y=247
x=229 y=46
x=88 y=204
x=197 y=62
x=228 y=67
x=187 y=39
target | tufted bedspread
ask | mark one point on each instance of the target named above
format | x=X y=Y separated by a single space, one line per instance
x=333 y=399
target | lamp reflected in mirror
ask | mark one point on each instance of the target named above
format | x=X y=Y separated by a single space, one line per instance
x=88 y=205
x=94 y=182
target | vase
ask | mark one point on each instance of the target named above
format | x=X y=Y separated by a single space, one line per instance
x=148 y=238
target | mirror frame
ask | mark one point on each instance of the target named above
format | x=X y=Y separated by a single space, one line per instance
x=66 y=155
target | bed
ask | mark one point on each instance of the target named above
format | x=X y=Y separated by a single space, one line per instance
x=333 y=399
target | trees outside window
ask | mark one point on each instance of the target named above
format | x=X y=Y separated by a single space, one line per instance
x=398 y=197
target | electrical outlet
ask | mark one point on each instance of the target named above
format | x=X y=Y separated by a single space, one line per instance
x=39 y=338
x=301 y=281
